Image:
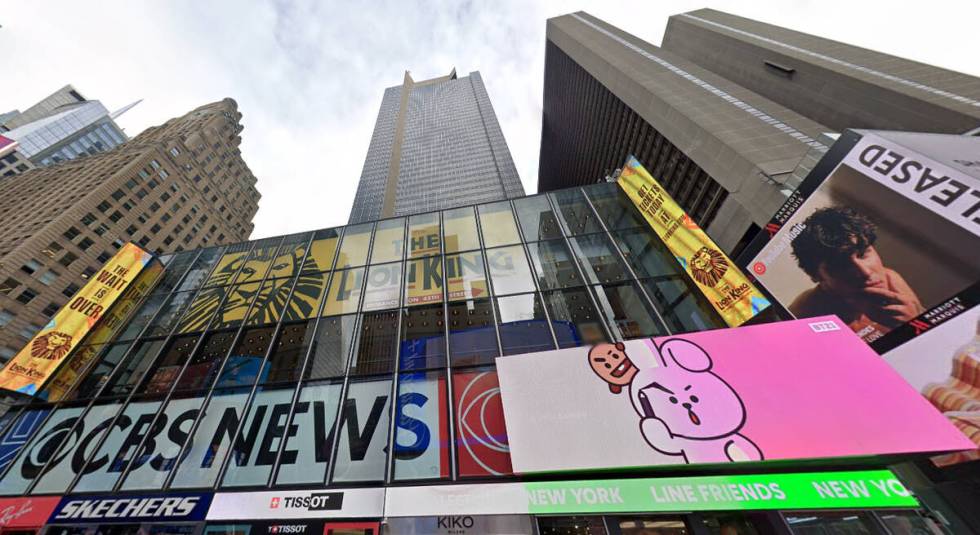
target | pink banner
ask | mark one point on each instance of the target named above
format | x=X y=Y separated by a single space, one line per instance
x=792 y=390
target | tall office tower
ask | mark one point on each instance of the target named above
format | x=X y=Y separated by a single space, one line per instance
x=436 y=145
x=63 y=126
x=179 y=185
x=726 y=154
x=836 y=84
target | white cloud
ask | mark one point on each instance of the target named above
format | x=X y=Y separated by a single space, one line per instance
x=308 y=76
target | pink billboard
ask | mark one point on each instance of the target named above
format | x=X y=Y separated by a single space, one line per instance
x=803 y=389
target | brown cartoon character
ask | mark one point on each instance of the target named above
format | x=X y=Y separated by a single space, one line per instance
x=52 y=345
x=610 y=363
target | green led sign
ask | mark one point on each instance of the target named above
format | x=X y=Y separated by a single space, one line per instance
x=823 y=490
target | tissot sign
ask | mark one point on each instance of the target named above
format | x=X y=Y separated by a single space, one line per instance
x=341 y=503
x=131 y=508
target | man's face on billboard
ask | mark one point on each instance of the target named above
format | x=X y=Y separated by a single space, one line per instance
x=853 y=273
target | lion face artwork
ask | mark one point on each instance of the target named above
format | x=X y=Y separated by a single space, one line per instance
x=708 y=266
x=52 y=346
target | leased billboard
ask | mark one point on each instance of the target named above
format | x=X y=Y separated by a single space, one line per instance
x=39 y=359
x=803 y=389
x=731 y=294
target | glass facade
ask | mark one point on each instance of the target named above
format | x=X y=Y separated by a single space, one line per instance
x=357 y=355
x=83 y=128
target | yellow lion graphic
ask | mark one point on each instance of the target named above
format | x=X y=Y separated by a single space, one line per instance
x=708 y=266
x=51 y=346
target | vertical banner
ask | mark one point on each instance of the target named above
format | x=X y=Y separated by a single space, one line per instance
x=731 y=294
x=39 y=359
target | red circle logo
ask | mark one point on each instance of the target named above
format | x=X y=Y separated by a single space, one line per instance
x=759 y=268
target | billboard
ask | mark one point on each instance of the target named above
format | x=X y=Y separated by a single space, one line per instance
x=824 y=490
x=41 y=357
x=296 y=505
x=881 y=235
x=731 y=294
x=780 y=391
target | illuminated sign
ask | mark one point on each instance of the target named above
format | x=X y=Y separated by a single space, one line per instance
x=42 y=356
x=731 y=294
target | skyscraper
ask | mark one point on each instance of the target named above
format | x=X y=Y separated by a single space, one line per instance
x=836 y=84
x=179 y=185
x=61 y=127
x=726 y=154
x=436 y=145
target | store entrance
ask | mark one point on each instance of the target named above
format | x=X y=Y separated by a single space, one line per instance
x=352 y=528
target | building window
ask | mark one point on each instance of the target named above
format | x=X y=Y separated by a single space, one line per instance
x=131 y=230
x=118 y=194
x=143 y=241
x=101 y=229
x=70 y=290
x=115 y=216
x=85 y=244
x=30 y=267
x=27 y=295
x=155 y=228
x=118 y=243
x=48 y=277
x=71 y=233
x=89 y=271
x=174 y=152
x=8 y=286
x=50 y=310
x=52 y=249
x=88 y=219
x=104 y=206
x=103 y=257
x=68 y=259
x=29 y=330
x=5 y=317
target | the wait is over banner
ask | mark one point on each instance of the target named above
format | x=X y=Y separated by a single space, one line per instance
x=731 y=294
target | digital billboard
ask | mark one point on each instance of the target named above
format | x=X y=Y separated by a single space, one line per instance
x=730 y=292
x=41 y=357
x=803 y=389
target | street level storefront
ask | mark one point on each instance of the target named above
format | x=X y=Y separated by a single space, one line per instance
x=24 y=516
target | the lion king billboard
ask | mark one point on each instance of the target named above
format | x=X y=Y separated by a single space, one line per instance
x=41 y=357
x=731 y=294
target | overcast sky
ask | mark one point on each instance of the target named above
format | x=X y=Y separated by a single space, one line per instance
x=309 y=75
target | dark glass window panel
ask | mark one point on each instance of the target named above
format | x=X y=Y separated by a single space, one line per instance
x=378 y=343
x=133 y=369
x=614 y=207
x=331 y=347
x=289 y=259
x=321 y=255
x=599 y=260
x=647 y=255
x=554 y=266
x=288 y=353
x=168 y=365
x=523 y=326
x=626 y=311
x=682 y=306
x=574 y=318
x=245 y=363
x=423 y=235
x=143 y=316
x=389 y=241
x=175 y=270
x=203 y=367
x=236 y=305
x=93 y=379
x=421 y=437
x=271 y=300
x=201 y=310
x=423 y=343
x=538 y=221
x=305 y=299
x=472 y=334
x=662 y=525
x=167 y=317
x=258 y=261
x=814 y=522
x=482 y=448
x=199 y=271
x=574 y=212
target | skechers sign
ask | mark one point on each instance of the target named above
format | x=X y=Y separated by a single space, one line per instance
x=145 y=508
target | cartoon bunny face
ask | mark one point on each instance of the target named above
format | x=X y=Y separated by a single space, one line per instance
x=692 y=401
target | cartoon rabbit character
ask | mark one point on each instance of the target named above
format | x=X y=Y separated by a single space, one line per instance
x=688 y=410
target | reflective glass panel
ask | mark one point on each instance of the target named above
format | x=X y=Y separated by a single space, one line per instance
x=199 y=313
x=305 y=300
x=554 y=266
x=212 y=440
x=389 y=241
x=201 y=268
x=523 y=325
x=497 y=222
x=271 y=299
x=285 y=362
x=257 y=444
x=599 y=260
x=168 y=315
x=143 y=316
x=259 y=261
x=682 y=306
x=575 y=214
x=537 y=219
x=235 y=306
x=482 y=449
x=363 y=439
x=423 y=235
x=203 y=366
x=354 y=246
x=245 y=363
x=614 y=207
x=289 y=260
x=86 y=362
x=307 y=450
x=647 y=255
x=423 y=281
x=472 y=335
x=331 y=347
x=575 y=320
x=459 y=230
x=509 y=271
x=378 y=344
x=168 y=365
x=133 y=369
x=229 y=265
x=423 y=338
x=345 y=292
x=383 y=286
x=466 y=276
x=626 y=311
x=150 y=469
x=322 y=251
x=421 y=427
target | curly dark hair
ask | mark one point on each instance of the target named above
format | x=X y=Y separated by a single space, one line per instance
x=832 y=233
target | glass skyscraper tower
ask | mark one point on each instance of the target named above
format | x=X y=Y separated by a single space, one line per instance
x=436 y=145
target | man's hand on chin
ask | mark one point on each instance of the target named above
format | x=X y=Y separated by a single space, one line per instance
x=893 y=304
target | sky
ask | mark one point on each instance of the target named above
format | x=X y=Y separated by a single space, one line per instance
x=308 y=76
